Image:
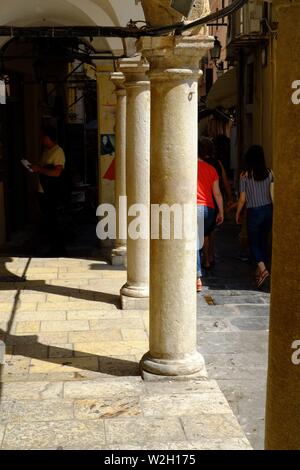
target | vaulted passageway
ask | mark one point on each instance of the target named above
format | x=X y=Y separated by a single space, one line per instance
x=168 y=129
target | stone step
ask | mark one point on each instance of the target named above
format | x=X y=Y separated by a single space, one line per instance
x=117 y=413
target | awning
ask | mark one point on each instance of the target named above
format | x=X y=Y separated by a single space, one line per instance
x=224 y=92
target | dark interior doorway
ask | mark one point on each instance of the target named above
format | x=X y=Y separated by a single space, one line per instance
x=39 y=74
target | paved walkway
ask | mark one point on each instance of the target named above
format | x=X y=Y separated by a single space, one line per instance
x=233 y=334
x=71 y=376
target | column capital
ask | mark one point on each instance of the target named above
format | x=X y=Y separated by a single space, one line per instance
x=106 y=67
x=174 y=56
x=135 y=70
x=118 y=80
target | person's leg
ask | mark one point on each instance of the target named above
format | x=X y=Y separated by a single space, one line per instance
x=199 y=271
x=206 y=251
x=255 y=219
x=244 y=239
x=209 y=222
x=211 y=251
x=266 y=228
x=200 y=235
x=253 y=224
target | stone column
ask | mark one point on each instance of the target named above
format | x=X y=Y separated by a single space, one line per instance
x=118 y=256
x=174 y=74
x=135 y=293
x=283 y=391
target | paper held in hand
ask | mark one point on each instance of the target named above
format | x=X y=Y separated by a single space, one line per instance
x=27 y=165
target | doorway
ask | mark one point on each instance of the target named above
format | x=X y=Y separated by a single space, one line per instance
x=40 y=74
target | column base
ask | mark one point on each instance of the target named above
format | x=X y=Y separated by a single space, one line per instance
x=134 y=297
x=119 y=256
x=192 y=367
x=132 y=303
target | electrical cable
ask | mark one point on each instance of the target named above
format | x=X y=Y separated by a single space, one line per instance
x=117 y=31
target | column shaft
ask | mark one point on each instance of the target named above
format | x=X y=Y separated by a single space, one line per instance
x=119 y=252
x=135 y=293
x=174 y=74
x=283 y=391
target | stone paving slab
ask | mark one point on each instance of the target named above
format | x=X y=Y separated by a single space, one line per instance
x=27 y=327
x=71 y=434
x=106 y=334
x=247 y=400
x=69 y=306
x=93 y=315
x=251 y=324
x=203 y=444
x=52 y=377
x=111 y=348
x=45 y=315
x=184 y=404
x=16 y=365
x=70 y=325
x=31 y=391
x=40 y=351
x=190 y=387
x=232 y=342
x=216 y=425
x=118 y=323
x=111 y=387
x=108 y=407
x=45 y=338
x=71 y=364
x=39 y=410
x=58 y=350
x=237 y=299
x=2 y=431
x=143 y=430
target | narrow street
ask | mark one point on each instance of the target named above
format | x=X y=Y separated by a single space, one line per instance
x=233 y=334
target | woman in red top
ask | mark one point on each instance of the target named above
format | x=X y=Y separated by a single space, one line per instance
x=208 y=190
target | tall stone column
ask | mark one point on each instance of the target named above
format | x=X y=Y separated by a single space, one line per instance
x=118 y=256
x=135 y=293
x=174 y=74
x=283 y=391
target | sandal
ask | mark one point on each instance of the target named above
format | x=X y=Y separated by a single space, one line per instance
x=199 y=285
x=262 y=277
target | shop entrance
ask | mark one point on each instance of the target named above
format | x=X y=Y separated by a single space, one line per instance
x=48 y=82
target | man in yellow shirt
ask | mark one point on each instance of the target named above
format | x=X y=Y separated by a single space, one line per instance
x=51 y=188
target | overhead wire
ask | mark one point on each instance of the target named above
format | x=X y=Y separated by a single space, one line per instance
x=130 y=31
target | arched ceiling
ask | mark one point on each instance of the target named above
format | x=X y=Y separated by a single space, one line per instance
x=27 y=13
